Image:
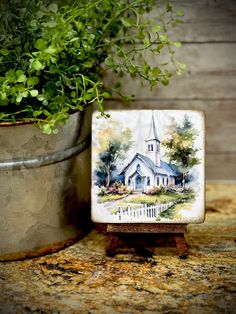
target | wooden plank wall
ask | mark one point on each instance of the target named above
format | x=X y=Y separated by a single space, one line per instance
x=209 y=83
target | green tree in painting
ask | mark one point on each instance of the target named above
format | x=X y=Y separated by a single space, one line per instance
x=113 y=145
x=180 y=144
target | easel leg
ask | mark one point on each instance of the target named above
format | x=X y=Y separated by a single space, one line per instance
x=112 y=245
x=181 y=245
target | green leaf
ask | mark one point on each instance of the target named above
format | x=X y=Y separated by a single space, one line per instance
x=47 y=113
x=146 y=68
x=19 y=72
x=121 y=73
x=10 y=74
x=53 y=60
x=4 y=102
x=4 y=52
x=55 y=130
x=141 y=35
x=33 y=23
x=109 y=61
x=53 y=7
x=46 y=129
x=51 y=24
x=121 y=53
x=180 y=13
x=146 y=42
x=133 y=70
x=39 y=14
x=155 y=71
x=37 y=65
x=106 y=95
x=25 y=94
x=37 y=113
x=177 y=44
x=22 y=78
x=40 y=44
x=50 y=50
x=87 y=64
x=3 y=99
x=73 y=94
x=88 y=96
x=3 y=95
x=32 y=81
x=34 y=92
x=169 y=7
x=165 y=81
x=79 y=107
x=127 y=22
x=90 y=90
x=181 y=69
x=153 y=83
x=73 y=39
x=156 y=28
x=40 y=97
x=182 y=66
x=22 y=11
x=18 y=98
x=163 y=38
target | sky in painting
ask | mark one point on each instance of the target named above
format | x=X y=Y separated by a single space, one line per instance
x=139 y=122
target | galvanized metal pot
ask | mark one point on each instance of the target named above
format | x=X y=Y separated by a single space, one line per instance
x=44 y=187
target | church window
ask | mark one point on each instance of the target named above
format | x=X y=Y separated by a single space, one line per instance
x=129 y=182
x=167 y=181
x=138 y=167
x=158 y=181
x=148 y=180
x=150 y=147
x=163 y=181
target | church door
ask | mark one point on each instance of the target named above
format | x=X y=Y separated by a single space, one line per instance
x=138 y=183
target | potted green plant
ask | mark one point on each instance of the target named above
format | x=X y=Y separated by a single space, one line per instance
x=52 y=65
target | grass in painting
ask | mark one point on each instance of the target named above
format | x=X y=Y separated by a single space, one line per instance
x=181 y=208
x=136 y=201
x=169 y=213
x=110 y=198
x=147 y=199
x=163 y=198
x=177 y=211
x=153 y=199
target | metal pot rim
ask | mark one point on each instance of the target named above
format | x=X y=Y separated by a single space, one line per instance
x=27 y=122
x=8 y=124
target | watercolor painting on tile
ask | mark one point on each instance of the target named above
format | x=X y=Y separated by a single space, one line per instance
x=148 y=166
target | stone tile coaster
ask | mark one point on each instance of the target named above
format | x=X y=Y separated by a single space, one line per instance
x=148 y=167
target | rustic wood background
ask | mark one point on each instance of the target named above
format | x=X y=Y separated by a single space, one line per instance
x=208 y=39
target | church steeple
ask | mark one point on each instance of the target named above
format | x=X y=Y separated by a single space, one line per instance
x=152 y=134
x=153 y=143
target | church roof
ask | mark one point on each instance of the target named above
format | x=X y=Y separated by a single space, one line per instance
x=152 y=134
x=164 y=169
x=167 y=167
x=137 y=172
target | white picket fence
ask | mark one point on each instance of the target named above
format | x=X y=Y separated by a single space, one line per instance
x=140 y=214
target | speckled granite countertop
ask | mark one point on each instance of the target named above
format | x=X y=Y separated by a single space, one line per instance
x=82 y=279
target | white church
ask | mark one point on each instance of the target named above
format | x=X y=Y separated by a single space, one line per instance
x=146 y=171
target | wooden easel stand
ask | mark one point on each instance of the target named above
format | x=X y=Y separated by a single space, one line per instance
x=177 y=230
